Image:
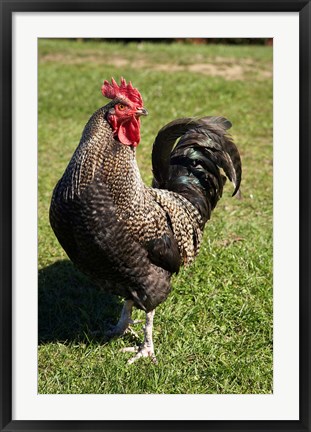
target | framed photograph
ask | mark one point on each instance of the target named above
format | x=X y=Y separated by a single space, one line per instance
x=231 y=341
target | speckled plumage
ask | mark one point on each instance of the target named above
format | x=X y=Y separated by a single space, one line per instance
x=130 y=238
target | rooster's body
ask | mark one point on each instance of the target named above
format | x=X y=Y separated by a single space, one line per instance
x=127 y=237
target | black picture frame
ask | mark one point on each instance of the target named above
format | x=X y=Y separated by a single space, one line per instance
x=7 y=9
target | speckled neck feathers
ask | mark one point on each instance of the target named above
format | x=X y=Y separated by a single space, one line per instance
x=100 y=156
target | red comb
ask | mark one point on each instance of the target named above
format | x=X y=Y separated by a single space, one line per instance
x=124 y=90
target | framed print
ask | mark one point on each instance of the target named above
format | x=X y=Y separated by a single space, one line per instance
x=229 y=346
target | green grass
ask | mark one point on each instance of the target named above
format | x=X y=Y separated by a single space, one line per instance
x=214 y=332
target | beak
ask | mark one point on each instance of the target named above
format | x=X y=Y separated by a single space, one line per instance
x=141 y=111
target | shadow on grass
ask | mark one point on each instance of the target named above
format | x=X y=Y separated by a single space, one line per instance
x=71 y=308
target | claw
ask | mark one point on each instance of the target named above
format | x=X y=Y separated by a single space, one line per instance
x=130 y=349
x=143 y=352
x=116 y=332
x=132 y=332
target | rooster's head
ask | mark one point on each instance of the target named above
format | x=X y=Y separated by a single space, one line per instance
x=124 y=111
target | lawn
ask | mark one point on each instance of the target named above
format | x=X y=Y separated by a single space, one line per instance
x=214 y=333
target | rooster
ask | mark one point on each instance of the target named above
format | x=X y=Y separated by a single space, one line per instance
x=127 y=237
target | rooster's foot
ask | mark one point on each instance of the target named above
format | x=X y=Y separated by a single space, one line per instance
x=124 y=322
x=142 y=351
x=146 y=349
x=123 y=325
x=130 y=331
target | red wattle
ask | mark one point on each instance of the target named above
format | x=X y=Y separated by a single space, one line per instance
x=129 y=132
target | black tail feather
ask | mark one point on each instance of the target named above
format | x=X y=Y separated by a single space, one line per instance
x=192 y=167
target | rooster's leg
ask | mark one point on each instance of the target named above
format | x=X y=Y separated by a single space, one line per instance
x=146 y=349
x=124 y=321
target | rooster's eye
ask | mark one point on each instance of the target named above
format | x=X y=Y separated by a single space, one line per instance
x=121 y=107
